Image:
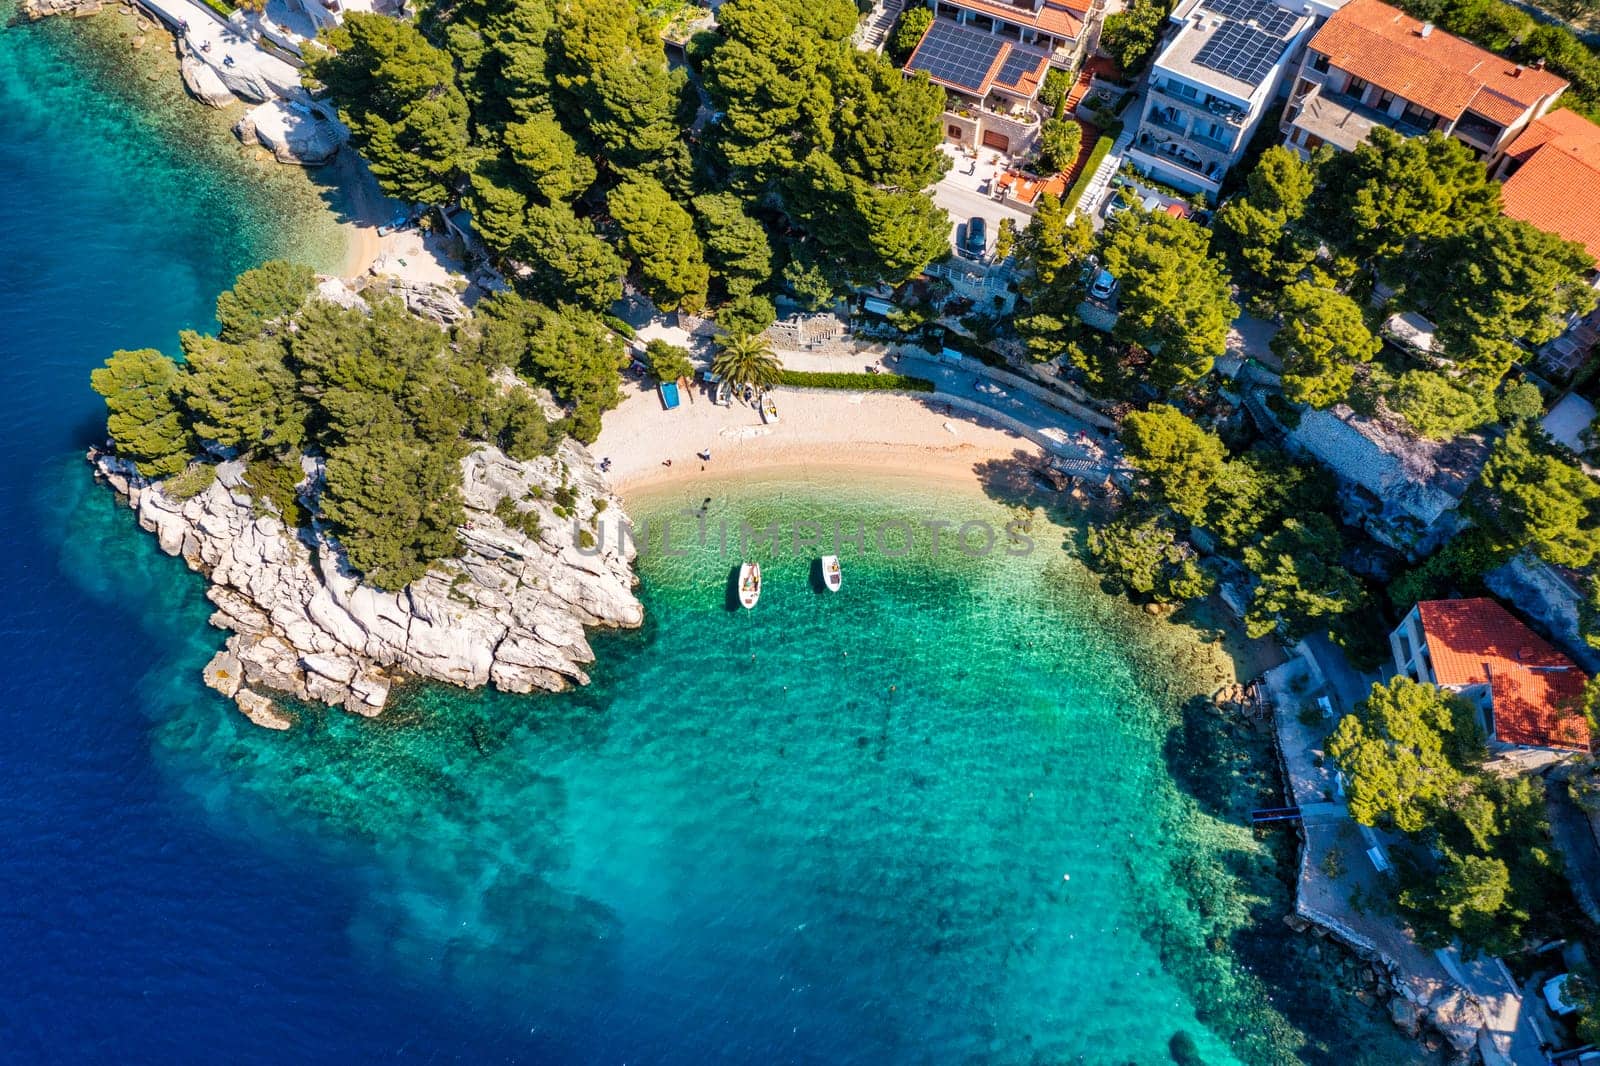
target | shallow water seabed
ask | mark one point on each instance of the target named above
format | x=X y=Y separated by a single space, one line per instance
x=836 y=828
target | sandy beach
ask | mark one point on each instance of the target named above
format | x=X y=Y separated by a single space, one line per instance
x=866 y=432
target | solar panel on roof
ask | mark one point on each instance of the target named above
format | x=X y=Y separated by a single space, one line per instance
x=1241 y=52
x=956 y=55
x=1263 y=14
x=1017 y=64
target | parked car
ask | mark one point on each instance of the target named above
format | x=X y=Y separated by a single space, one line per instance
x=977 y=241
x=1103 y=287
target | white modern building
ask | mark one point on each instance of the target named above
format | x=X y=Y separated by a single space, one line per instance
x=1213 y=82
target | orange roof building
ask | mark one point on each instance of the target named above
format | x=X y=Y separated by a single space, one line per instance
x=1371 y=64
x=1552 y=179
x=1478 y=648
x=991 y=57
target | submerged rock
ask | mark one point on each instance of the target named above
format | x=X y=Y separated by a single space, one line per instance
x=262 y=711
x=510 y=610
x=29 y=10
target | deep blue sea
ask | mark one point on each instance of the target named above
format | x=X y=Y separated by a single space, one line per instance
x=937 y=818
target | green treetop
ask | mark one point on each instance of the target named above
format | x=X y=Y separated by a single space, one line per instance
x=659 y=235
x=736 y=243
x=568 y=351
x=242 y=395
x=1054 y=239
x=1299 y=582
x=1501 y=281
x=398 y=95
x=1060 y=139
x=262 y=297
x=1263 y=230
x=1403 y=751
x=888 y=125
x=908 y=31
x=1175 y=300
x=1528 y=496
x=611 y=62
x=1438 y=406
x=668 y=362
x=147 y=423
x=746 y=360
x=549 y=158
x=1392 y=194
x=1181 y=462
x=1323 y=339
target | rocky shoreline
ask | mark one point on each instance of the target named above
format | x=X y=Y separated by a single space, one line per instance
x=223 y=63
x=509 y=611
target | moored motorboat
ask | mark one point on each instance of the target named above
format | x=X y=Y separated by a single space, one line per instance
x=749 y=584
x=832 y=577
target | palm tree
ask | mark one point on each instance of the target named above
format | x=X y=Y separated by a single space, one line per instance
x=746 y=359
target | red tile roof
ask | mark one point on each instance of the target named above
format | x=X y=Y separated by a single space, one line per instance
x=1535 y=688
x=1440 y=72
x=1056 y=17
x=1557 y=184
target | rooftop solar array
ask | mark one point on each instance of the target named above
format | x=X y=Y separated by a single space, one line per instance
x=1241 y=52
x=1263 y=14
x=1018 y=63
x=956 y=55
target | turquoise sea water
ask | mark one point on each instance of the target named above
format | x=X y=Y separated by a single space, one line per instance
x=952 y=814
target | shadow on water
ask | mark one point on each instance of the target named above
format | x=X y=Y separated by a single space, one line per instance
x=732 y=604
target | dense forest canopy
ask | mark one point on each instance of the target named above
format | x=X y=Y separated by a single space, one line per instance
x=583 y=155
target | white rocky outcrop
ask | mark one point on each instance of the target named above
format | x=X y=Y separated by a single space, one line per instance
x=204 y=83
x=293 y=131
x=510 y=610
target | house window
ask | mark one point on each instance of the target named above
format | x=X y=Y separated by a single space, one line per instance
x=954 y=131
x=1357 y=87
x=1303 y=88
x=1385 y=101
x=1319 y=62
x=1313 y=142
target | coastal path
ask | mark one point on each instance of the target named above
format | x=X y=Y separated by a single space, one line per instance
x=223 y=47
x=1079 y=448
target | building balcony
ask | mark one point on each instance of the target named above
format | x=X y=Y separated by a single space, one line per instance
x=1221 y=110
x=1479 y=132
x=1012 y=114
x=1179 y=154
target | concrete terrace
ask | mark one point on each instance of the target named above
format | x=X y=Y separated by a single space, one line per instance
x=1474 y=1003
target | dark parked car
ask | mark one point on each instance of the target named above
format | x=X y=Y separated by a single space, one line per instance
x=977 y=241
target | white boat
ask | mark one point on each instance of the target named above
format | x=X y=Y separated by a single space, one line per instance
x=831 y=575
x=749 y=584
x=769 y=408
